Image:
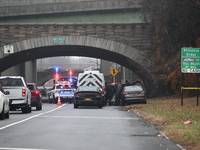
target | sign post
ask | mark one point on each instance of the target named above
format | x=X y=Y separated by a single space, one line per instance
x=190 y=63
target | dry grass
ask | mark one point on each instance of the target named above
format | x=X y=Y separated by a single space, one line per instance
x=168 y=116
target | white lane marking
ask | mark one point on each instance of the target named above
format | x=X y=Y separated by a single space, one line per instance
x=89 y=117
x=3 y=148
x=18 y=122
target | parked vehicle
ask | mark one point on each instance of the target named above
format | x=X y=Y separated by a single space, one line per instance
x=133 y=94
x=88 y=96
x=36 y=97
x=4 y=104
x=93 y=78
x=20 y=95
x=42 y=90
x=64 y=91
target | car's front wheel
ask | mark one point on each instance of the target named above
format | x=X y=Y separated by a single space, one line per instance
x=145 y=102
x=29 y=109
x=39 y=106
x=26 y=108
x=7 y=115
x=123 y=103
x=75 y=106
x=100 y=106
x=55 y=100
x=2 y=115
x=50 y=100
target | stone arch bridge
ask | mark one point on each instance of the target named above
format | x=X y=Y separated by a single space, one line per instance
x=125 y=44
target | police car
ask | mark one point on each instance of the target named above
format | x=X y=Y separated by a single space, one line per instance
x=63 y=91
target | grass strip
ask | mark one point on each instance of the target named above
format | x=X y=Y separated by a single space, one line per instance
x=167 y=114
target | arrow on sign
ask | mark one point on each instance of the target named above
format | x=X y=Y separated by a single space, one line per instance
x=114 y=71
x=8 y=49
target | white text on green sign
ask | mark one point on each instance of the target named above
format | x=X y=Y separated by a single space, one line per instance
x=190 y=60
x=58 y=40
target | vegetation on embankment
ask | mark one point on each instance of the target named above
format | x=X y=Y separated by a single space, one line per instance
x=169 y=116
x=175 y=24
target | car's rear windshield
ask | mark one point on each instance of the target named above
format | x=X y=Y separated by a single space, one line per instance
x=11 y=82
x=31 y=87
x=65 y=86
x=133 y=88
x=88 y=88
x=41 y=87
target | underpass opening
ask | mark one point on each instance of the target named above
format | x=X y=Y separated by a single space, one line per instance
x=87 y=51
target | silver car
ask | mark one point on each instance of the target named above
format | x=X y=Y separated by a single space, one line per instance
x=133 y=94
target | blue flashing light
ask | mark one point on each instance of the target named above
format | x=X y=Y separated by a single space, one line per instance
x=56 y=69
x=70 y=80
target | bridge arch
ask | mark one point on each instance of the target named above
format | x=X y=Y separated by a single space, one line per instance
x=41 y=47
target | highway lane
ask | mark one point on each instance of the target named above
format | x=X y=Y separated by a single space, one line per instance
x=86 y=128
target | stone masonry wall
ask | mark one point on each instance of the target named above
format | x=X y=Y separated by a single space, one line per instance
x=134 y=35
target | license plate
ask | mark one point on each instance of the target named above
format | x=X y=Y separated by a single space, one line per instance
x=88 y=99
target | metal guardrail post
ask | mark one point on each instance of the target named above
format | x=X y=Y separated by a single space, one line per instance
x=190 y=88
x=181 y=96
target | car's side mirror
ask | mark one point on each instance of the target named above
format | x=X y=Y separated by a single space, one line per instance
x=7 y=92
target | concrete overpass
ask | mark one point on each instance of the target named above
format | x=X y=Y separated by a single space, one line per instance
x=111 y=30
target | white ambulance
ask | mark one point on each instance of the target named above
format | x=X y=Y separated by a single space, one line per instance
x=92 y=78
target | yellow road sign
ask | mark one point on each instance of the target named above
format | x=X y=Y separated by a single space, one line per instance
x=114 y=71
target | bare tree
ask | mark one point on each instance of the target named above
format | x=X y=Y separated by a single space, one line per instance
x=175 y=24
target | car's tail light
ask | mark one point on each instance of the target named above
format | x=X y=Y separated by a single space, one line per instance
x=23 y=92
x=36 y=92
x=103 y=89
x=126 y=93
x=97 y=94
x=57 y=91
x=142 y=92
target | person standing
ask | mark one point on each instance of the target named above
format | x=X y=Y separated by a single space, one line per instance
x=118 y=94
x=127 y=83
x=109 y=93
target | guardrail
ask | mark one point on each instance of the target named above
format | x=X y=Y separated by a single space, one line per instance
x=190 y=88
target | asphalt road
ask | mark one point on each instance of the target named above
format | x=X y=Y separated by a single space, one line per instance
x=61 y=127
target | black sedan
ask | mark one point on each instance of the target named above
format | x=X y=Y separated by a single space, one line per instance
x=133 y=94
x=88 y=96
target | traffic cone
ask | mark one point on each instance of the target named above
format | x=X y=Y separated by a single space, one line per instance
x=59 y=101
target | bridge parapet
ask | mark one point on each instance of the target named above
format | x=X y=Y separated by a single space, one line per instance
x=32 y=2
x=28 y=7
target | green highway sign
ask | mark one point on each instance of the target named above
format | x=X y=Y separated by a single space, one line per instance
x=190 y=60
x=58 y=40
